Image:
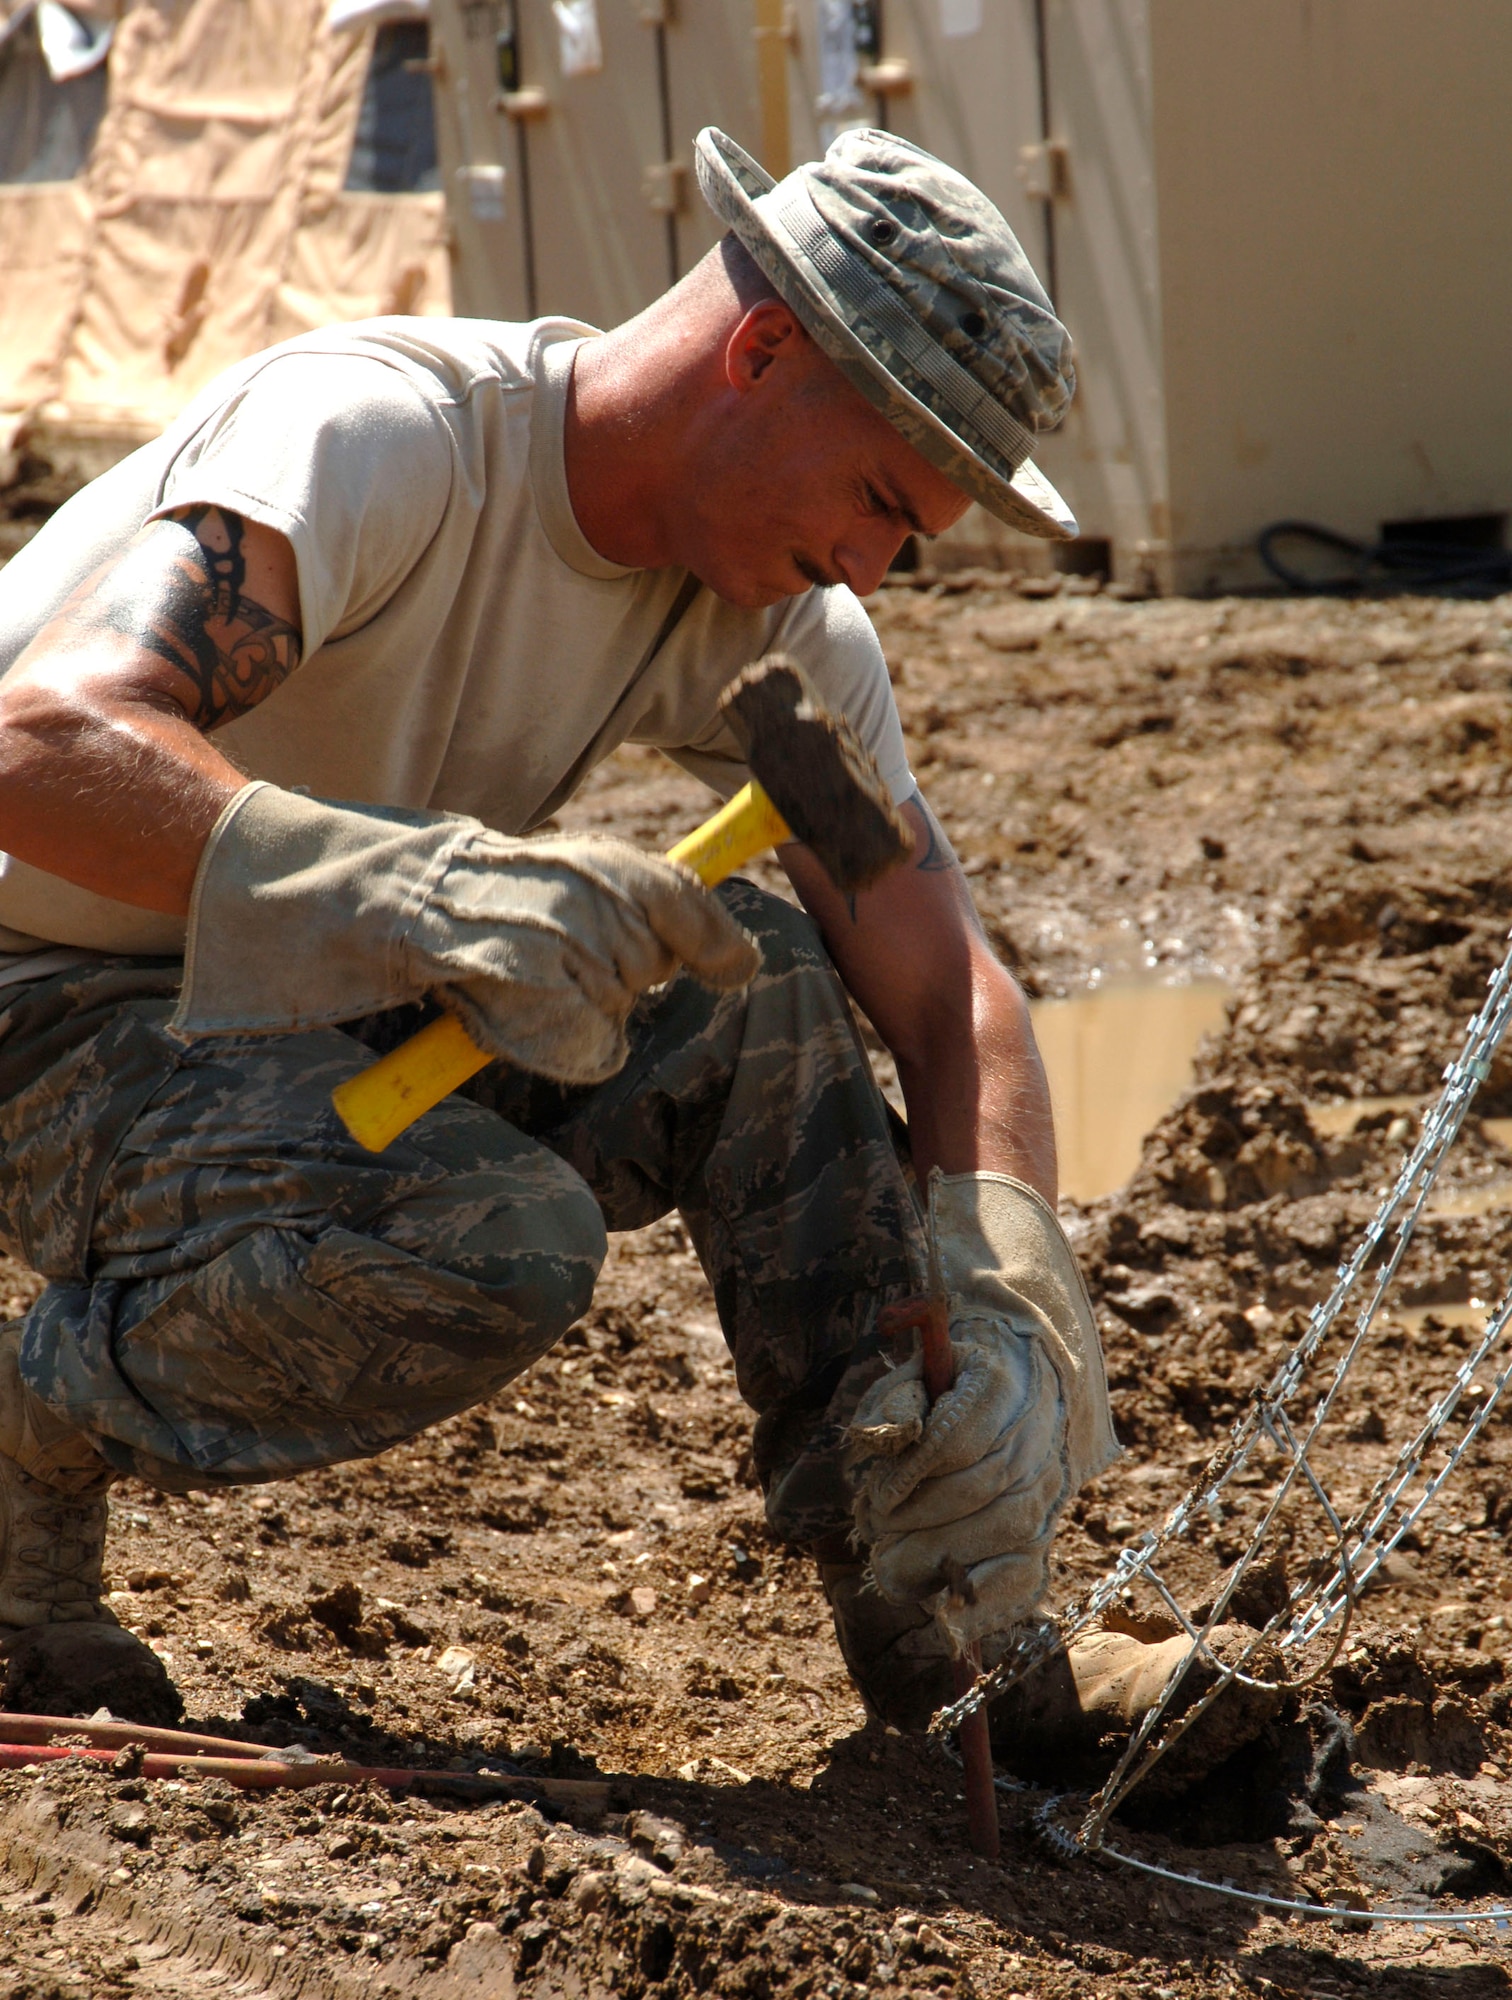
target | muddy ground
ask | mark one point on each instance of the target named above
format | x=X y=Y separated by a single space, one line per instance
x=1308 y=797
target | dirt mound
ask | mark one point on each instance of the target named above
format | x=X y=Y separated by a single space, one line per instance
x=576 y=1581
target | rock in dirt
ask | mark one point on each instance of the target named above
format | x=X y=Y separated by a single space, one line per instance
x=73 y=1669
x=459 y=1667
x=663 y=1839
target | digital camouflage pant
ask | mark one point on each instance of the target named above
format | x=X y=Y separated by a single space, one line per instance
x=236 y=1291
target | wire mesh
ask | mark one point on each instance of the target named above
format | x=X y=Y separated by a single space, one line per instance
x=1320 y=1607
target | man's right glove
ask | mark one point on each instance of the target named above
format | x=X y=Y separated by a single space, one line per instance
x=971 y=1497
x=306 y=913
x=957 y=1503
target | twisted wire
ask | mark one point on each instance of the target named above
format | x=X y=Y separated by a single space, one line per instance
x=1327 y=1595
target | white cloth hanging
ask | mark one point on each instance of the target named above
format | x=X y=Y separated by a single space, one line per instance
x=373 y=13
x=74 y=40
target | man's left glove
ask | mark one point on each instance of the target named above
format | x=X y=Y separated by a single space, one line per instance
x=957 y=1503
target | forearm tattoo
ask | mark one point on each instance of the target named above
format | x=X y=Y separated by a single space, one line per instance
x=936 y=858
x=932 y=858
x=187 y=605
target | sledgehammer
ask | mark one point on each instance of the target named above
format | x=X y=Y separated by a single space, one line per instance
x=812 y=780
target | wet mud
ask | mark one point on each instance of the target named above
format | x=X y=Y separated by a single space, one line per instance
x=1307 y=801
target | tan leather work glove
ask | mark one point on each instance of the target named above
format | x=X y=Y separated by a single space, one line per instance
x=306 y=913
x=958 y=1503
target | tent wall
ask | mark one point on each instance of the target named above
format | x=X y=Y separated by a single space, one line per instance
x=1277 y=229
x=211 y=219
x=1265 y=221
x=1335 y=248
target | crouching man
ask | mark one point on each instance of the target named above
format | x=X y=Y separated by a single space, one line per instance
x=284 y=696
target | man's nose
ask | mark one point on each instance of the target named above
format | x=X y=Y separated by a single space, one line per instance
x=866 y=555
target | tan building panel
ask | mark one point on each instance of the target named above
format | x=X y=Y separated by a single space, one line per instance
x=601 y=251
x=480 y=158
x=972 y=98
x=1109 y=456
x=1336 y=259
x=711 y=76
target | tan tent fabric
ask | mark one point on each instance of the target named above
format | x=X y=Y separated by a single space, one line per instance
x=334 y=119
x=44 y=240
x=210 y=221
x=365 y=254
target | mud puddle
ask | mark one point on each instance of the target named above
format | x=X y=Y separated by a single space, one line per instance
x=1117 y=1058
x=1342 y=1121
x=1472 y=1316
x=1495 y=1199
x=1399 y=1117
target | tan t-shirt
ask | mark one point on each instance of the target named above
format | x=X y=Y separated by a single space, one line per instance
x=465 y=649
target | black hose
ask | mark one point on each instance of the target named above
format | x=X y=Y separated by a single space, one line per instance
x=1400 y=564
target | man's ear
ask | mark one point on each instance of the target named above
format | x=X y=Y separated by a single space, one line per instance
x=769 y=332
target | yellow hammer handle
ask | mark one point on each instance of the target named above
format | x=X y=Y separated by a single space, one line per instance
x=747 y=826
x=385 y=1100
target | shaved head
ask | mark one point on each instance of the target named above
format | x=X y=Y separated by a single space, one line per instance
x=749 y=283
x=722 y=286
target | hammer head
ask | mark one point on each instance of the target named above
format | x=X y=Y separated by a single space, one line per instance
x=817 y=773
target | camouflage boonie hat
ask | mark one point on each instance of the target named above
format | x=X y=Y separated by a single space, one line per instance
x=917 y=289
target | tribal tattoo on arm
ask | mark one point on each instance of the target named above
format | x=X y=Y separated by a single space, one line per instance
x=930 y=856
x=185 y=603
x=936 y=858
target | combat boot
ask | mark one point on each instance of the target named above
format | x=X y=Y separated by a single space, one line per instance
x=63 y=1647
x=53 y=1485
x=1069 y=1721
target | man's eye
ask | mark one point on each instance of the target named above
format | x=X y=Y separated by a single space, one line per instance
x=876 y=503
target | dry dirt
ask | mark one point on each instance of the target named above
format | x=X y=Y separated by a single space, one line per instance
x=1309 y=797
